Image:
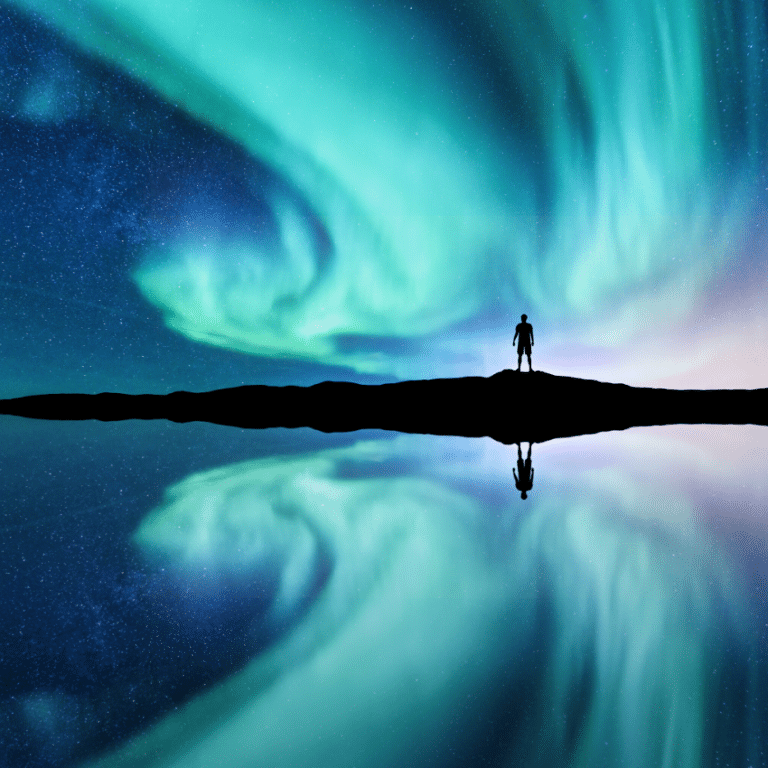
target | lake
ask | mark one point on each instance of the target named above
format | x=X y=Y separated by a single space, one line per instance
x=197 y=595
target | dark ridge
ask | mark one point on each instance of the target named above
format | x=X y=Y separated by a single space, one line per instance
x=509 y=406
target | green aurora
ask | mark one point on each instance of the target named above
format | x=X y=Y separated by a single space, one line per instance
x=579 y=164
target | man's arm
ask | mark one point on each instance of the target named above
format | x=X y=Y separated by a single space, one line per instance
x=514 y=338
x=531 y=336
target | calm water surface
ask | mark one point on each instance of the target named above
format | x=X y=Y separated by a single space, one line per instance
x=191 y=594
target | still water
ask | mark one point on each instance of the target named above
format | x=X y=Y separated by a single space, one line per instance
x=195 y=595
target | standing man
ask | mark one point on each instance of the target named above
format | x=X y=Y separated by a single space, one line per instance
x=525 y=331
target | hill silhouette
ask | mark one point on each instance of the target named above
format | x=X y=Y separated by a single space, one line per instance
x=508 y=406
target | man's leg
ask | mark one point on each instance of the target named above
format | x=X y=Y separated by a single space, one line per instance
x=519 y=360
x=530 y=367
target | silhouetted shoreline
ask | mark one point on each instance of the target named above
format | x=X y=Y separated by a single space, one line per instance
x=508 y=406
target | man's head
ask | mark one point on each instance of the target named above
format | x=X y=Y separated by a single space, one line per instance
x=524 y=317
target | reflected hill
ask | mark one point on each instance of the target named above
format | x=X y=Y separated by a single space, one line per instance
x=509 y=406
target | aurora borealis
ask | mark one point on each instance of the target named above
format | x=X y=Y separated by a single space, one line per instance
x=421 y=176
x=206 y=194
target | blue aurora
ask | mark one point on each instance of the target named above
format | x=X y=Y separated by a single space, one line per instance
x=215 y=193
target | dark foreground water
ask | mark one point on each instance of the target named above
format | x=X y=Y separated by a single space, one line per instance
x=194 y=595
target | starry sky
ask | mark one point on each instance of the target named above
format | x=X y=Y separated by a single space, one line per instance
x=205 y=197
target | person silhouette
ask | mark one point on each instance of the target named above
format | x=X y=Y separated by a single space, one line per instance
x=525 y=331
x=524 y=482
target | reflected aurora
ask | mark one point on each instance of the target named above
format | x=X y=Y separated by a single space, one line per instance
x=624 y=625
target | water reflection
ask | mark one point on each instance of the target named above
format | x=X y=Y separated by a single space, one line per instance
x=412 y=610
x=525 y=472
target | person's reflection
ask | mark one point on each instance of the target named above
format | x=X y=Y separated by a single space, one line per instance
x=523 y=482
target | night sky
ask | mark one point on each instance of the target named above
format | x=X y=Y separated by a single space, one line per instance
x=380 y=192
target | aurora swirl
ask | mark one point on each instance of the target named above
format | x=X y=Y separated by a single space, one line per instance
x=600 y=167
